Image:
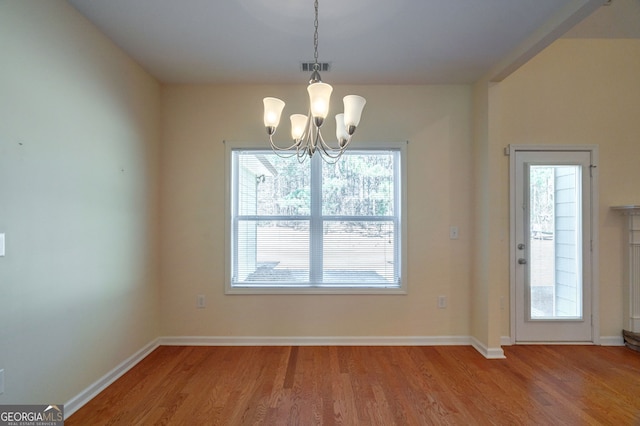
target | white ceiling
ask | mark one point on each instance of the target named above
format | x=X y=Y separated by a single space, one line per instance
x=365 y=41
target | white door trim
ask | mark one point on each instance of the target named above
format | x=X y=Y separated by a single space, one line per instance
x=595 y=287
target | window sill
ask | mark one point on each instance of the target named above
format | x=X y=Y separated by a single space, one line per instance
x=329 y=290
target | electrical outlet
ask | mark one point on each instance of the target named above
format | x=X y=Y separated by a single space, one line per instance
x=442 y=302
x=200 y=302
x=1 y=381
x=453 y=233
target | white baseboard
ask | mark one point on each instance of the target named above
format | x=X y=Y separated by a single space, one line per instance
x=315 y=341
x=489 y=353
x=75 y=403
x=604 y=341
x=612 y=340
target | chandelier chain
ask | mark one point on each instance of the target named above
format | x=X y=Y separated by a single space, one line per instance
x=305 y=129
x=316 y=66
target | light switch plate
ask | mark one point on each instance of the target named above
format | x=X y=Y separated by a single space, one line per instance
x=453 y=233
x=2 y=244
x=442 y=302
x=200 y=302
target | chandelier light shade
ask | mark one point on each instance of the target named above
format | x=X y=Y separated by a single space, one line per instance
x=305 y=129
x=298 y=126
x=272 y=111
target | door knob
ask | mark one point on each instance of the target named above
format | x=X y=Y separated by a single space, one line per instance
x=522 y=261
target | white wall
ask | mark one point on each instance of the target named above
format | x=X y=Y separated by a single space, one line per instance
x=78 y=203
x=196 y=119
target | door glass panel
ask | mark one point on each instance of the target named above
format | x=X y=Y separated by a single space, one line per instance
x=555 y=223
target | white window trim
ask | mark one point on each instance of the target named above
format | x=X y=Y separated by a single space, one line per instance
x=402 y=289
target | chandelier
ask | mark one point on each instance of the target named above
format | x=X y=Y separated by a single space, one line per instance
x=305 y=129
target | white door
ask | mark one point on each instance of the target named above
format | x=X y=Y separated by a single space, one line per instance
x=552 y=254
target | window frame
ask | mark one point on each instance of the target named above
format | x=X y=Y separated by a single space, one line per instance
x=353 y=288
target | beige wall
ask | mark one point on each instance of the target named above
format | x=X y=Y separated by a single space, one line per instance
x=196 y=119
x=78 y=173
x=579 y=91
x=82 y=176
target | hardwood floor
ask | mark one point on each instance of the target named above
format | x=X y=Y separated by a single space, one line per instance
x=535 y=385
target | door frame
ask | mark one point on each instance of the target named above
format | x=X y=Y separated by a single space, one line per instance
x=595 y=287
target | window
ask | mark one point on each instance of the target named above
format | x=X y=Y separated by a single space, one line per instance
x=315 y=227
